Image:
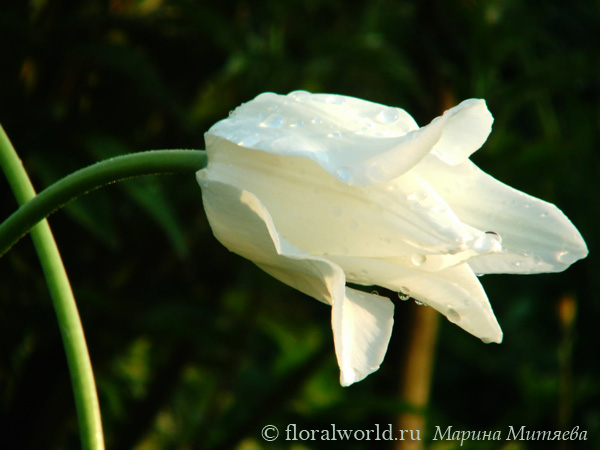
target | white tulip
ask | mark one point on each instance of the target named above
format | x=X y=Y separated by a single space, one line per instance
x=322 y=190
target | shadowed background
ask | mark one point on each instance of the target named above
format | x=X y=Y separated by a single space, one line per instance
x=194 y=347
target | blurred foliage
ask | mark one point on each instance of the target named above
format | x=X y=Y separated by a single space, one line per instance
x=194 y=347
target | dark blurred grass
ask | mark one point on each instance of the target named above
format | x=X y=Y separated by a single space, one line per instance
x=194 y=347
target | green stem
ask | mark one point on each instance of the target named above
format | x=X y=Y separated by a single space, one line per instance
x=80 y=367
x=90 y=178
x=35 y=209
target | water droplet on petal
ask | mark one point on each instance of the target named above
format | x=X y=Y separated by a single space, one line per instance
x=452 y=315
x=335 y=134
x=367 y=123
x=565 y=257
x=335 y=99
x=489 y=242
x=249 y=140
x=317 y=121
x=418 y=259
x=387 y=115
x=404 y=293
x=273 y=121
x=417 y=196
x=337 y=211
x=487 y=340
x=353 y=225
x=417 y=302
x=344 y=174
x=300 y=96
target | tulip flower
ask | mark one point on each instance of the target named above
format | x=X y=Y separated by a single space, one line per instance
x=322 y=191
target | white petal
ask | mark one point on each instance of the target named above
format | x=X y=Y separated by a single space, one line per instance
x=362 y=327
x=455 y=292
x=324 y=216
x=359 y=142
x=242 y=224
x=467 y=127
x=536 y=235
x=362 y=323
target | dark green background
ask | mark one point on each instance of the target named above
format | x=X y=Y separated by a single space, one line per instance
x=194 y=347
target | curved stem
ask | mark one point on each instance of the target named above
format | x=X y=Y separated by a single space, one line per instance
x=80 y=367
x=92 y=177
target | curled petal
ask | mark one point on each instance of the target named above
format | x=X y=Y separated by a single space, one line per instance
x=467 y=127
x=536 y=236
x=362 y=327
x=324 y=216
x=358 y=142
x=455 y=292
x=243 y=225
x=362 y=323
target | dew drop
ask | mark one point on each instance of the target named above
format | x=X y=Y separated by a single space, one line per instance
x=418 y=303
x=417 y=196
x=565 y=257
x=367 y=123
x=344 y=174
x=418 y=259
x=273 y=121
x=387 y=115
x=335 y=99
x=487 y=340
x=543 y=215
x=249 y=140
x=452 y=315
x=375 y=292
x=300 y=96
x=352 y=276
x=337 y=211
x=335 y=134
x=489 y=242
x=353 y=225
x=404 y=293
x=317 y=121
